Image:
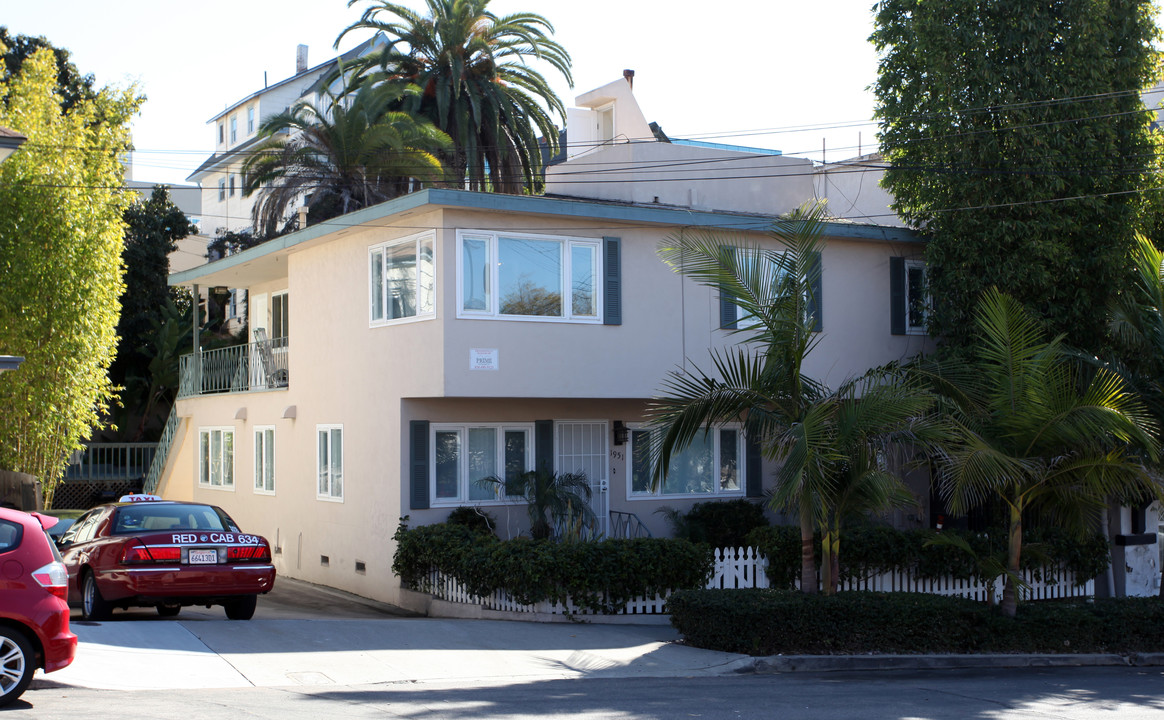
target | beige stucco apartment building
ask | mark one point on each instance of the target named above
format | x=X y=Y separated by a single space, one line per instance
x=412 y=347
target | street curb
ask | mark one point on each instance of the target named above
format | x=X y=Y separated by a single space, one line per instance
x=842 y=663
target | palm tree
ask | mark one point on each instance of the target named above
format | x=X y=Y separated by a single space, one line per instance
x=826 y=441
x=1030 y=431
x=352 y=152
x=477 y=86
x=551 y=498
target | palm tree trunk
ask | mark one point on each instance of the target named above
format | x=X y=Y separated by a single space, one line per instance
x=1014 y=553
x=808 y=580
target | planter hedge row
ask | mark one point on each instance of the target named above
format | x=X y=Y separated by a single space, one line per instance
x=597 y=576
x=770 y=622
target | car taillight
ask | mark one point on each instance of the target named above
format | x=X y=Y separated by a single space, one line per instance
x=137 y=554
x=54 y=578
x=249 y=552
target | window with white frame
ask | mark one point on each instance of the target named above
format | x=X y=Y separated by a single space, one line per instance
x=221 y=133
x=216 y=457
x=712 y=465
x=280 y=318
x=232 y=185
x=465 y=454
x=221 y=189
x=233 y=129
x=402 y=279
x=917 y=297
x=265 y=459
x=251 y=120
x=530 y=277
x=330 y=462
x=764 y=265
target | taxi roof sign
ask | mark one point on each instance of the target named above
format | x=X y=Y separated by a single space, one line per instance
x=139 y=497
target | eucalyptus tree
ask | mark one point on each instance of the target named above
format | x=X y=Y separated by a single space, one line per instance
x=829 y=443
x=349 y=153
x=477 y=85
x=1032 y=429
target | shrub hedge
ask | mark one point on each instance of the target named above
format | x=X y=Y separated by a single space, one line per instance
x=873 y=549
x=598 y=576
x=720 y=524
x=770 y=622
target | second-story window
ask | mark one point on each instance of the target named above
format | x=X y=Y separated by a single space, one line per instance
x=402 y=280
x=529 y=277
x=221 y=189
x=910 y=296
x=233 y=129
x=232 y=185
x=221 y=133
x=251 y=120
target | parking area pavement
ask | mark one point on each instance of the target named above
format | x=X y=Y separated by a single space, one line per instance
x=305 y=635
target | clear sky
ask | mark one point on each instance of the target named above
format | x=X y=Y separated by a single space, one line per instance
x=717 y=71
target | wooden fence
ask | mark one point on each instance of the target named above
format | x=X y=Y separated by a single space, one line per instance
x=746 y=568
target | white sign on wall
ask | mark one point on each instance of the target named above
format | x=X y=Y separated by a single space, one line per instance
x=483 y=359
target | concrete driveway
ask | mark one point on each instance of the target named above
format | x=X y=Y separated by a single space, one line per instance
x=304 y=635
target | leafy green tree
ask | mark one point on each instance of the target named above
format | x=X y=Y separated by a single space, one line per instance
x=61 y=230
x=1030 y=430
x=476 y=84
x=353 y=152
x=153 y=227
x=71 y=84
x=1017 y=139
x=826 y=442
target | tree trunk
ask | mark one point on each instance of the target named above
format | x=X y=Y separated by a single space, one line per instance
x=808 y=580
x=1014 y=553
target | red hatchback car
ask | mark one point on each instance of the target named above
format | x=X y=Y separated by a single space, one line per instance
x=34 y=617
x=154 y=553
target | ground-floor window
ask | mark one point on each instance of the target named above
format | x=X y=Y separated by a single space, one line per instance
x=265 y=459
x=711 y=465
x=463 y=455
x=330 y=462
x=216 y=457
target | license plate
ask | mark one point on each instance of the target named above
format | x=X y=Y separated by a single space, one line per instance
x=202 y=557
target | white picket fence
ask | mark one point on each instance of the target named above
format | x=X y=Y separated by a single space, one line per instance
x=746 y=568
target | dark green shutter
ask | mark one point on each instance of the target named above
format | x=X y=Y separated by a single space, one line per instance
x=754 y=479
x=612 y=289
x=897 y=295
x=418 y=439
x=815 y=296
x=544 y=445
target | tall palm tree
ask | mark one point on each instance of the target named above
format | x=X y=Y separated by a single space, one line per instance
x=476 y=84
x=1029 y=430
x=825 y=441
x=352 y=152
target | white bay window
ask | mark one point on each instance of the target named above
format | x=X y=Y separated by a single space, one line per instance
x=402 y=279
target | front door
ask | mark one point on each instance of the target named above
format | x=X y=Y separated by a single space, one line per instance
x=581 y=448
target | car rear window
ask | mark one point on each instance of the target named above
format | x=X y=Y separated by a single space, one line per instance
x=10 y=533
x=147 y=517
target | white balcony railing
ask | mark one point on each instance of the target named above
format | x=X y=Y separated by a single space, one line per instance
x=252 y=367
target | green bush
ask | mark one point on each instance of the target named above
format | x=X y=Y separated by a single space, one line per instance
x=598 y=576
x=873 y=549
x=770 y=622
x=473 y=518
x=720 y=524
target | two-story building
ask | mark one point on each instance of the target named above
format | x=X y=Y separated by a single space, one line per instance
x=409 y=349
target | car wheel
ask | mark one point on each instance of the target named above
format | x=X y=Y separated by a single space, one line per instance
x=169 y=610
x=17 y=664
x=242 y=608
x=93 y=606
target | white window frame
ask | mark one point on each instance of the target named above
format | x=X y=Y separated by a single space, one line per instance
x=280 y=308
x=250 y=120
x=330 y=494
x=927 y=303
x=492 y=239
x=463 y=488
x=264 y=437
x=719 y=493
x=226 y=482
x=233 y=129
x=231 y=185
x=381 y=250
x=221 y=189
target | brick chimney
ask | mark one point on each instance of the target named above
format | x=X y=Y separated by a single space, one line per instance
x=301 y=59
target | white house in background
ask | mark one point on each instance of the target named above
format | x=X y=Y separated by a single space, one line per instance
x=235 y=132
x=402 y=359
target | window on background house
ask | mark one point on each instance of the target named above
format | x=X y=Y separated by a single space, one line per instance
x=221 y=189
x=464 y=454
x=712 y=465
x=538 y=277
x=251 y=120
x=909 y=296
x=402 y=279
x=216 y=457
x=233 y=129
x=330 y=462
x=280 y=321
x=232 y=185
x=221 y=133
x=265 y=459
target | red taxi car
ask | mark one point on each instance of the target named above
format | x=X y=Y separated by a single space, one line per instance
x=146 y=552
x=34 y=617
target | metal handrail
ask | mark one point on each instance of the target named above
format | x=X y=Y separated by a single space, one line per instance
x=163 y=451
x=239 y=368
x=627 y=525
